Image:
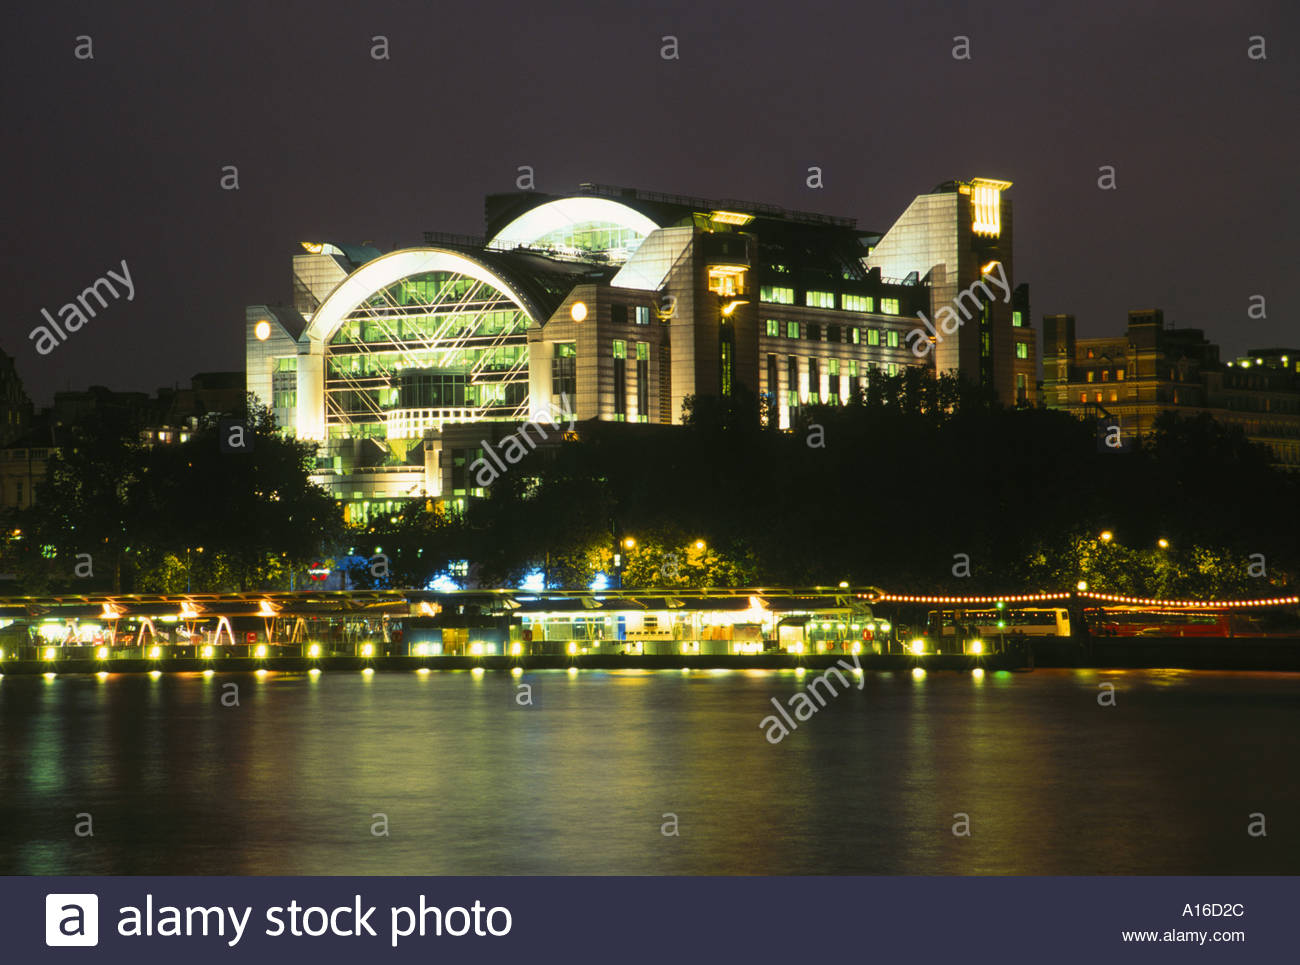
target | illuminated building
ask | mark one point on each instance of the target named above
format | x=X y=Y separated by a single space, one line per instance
x=1152 y=369
x=613 y=305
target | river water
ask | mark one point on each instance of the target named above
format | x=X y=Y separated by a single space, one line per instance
x=650 y=772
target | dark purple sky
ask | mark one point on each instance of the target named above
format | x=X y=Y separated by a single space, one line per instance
x=120 y=157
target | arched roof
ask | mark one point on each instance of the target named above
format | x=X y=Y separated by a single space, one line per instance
x=393 y=267
x=566 y=213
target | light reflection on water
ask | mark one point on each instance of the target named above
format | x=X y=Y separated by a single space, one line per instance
x=579 y=777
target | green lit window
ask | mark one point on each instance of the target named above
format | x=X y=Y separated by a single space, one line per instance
x=889 y=306
x=892 y=339
x=815 y=299
x=773 y=328
x=858 y=303
x=855 y=335
x=873 y=336
x=1022 y=350
x=776 y=295
x=643 y=351
x=791 y=329
x=288 y=364
x=853 y=368
x=1018 y=319
x=893 y=368
x=620 y=349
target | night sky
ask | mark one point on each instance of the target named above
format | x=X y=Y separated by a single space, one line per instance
x=121 y=157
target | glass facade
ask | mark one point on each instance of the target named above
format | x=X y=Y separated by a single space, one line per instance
x=428 y=349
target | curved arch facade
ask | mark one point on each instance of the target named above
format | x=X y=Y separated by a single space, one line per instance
x=408 y=342
x=583 y=227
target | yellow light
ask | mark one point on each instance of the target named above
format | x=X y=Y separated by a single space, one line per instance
x=476 y=649
x=857 y=648
x=1083 y=586
x=315 y=247
x=264 y=609
x=49 y=653
x=422 y=671
x=977 y=646
x=206 y=652
x=800 y=671
x=884 y=626
x=367 y=650
x=918 y=673
x=977 y=673
x=1107 y=536
x=732 y=217
x=796 y=648
x=1163 y=543
x=989 y=267
x=477 y=672
x=100 y=654
x=629 y=542
x=209 y=672
x=155 y=674
x=154 y=653
x=260 y=651
x=421 y=649
x=369 y=671
x=49 y=675
x=261 y=672
x=573 y=671
x=102 y=675
x=516 y=671
x=262 y=330
x=516 y=649
x=699 y=544
x=578 y=311
x=313 y=650
x=918 y=646
x=731 y=306
x=109 y=612
x=573 y=648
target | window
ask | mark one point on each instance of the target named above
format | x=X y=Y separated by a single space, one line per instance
x=814 y=381
x=791 y=329
x=642 y=315
x=832 y=333
x=892 y=339
x=1105 y=375
x=1083 y=396
x=618 y=314
x=642 y=381
x=814 y=332
x=778 y=296
x=1114 y=396
x=564 y=371
x=773 y=328
x=1022 y=350
x=792 y=385
x=620 y=380
x=889 y=306
x=853 y=368
x=1089 y=377
x=855 y=335
x=815 y=299
x=873 y=336
x=892 y=368
x=1119 y=375
x=771 y=379
x=833 y=381
x=1018 y=319
x=858 y=303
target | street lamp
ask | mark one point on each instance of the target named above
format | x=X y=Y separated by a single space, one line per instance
x=1162 y=543
x=1083 y=586
x=1107 y=536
